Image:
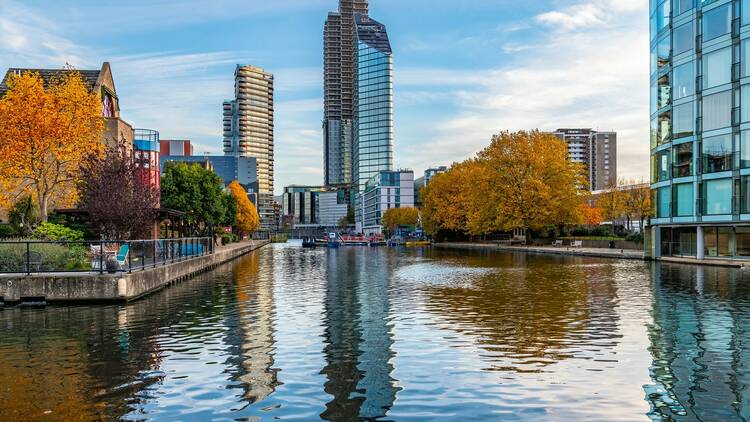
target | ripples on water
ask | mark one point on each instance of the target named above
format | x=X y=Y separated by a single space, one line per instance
x=381 y=334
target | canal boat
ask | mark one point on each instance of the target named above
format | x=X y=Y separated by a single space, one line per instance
x=333 y=240
x=417 y=243
x=308 y=242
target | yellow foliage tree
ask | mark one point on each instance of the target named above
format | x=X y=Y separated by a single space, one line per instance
x=591 y=216
x=45 y=135
x=612 y=203
x=522 y=180
x=248 y=219
x=395 y=217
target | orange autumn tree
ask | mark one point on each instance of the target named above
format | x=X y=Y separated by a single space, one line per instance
x=45 y=135
x=591 y=216
x=248 y=220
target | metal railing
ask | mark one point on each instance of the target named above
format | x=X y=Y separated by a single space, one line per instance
x=34 y=257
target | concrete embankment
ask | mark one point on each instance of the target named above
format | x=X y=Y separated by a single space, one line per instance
x=121 y=287
x=562 y=250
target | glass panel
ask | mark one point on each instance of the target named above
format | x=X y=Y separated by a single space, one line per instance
x=664 y=202
x=683 y=80
x=654 y=133
x=664 y=90
x=745 y=12
x=745 y=195
x=684 y=39
x=663 y=165
x=742 y=239
x=709 y=241
x=717 y=154
x=654 y=170
x=717 y=68
x=683 y=120
x=745 y=149
x=682 y=6
x=716 y=22
x=717 y=197
x=723 y=238
x=662 y=15
x=683 y=200
x=682 y=160
x=664 y=129
x=745 y=103
x=686 y=241
x=717 y=110
x=663 y=52
x=745 y=55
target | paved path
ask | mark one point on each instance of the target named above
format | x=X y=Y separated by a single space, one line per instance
x=562 y=250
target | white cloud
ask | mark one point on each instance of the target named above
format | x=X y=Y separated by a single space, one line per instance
x=586 y=76
x=573 y=17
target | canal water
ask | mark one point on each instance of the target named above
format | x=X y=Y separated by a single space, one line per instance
x=385 y=334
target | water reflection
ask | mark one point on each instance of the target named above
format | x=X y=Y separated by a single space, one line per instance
x=527 y=317
x=358 y=336
x=700 y=341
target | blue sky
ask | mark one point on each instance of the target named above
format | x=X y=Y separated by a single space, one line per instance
x=464 y=70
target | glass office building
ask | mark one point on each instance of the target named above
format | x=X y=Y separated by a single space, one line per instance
x=700 y=128
x=373 y=119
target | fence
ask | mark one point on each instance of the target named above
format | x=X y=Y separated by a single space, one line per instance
x=32 y=257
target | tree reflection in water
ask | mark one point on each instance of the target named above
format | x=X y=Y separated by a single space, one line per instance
x=527 y=317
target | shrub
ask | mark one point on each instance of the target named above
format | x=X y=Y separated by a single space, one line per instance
x=54 y=257
x=56 y=232
x=635 y=237
x=7 y=231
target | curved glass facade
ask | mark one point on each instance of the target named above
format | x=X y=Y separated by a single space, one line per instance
x=700 y=126
x=373 y=123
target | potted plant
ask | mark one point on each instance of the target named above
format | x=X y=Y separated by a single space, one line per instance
x=112 y=265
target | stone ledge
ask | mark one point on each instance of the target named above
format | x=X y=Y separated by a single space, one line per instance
x=91 y=287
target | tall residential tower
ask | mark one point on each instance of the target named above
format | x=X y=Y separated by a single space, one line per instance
x=700 y=128
x=357 y=124
x=248 y=131
x=596 y=151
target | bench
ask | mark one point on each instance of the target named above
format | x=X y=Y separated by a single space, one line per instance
x=576 y=244
x=557 y=243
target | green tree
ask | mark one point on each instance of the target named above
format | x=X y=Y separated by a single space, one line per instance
x=197 y=192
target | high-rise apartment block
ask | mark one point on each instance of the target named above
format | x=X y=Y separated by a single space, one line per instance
x=248 y=131
x=700 y=128
x=597 y=151
x=358 y=122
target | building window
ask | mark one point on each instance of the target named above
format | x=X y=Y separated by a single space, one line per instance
x=682 y=157
x=664 y=129
x=717 y=197
x=717 y=110
x=683 y=120
x=745 y=103
x=682 y=199
x=717 y=68
x=682 y=6
x=745 y=12
x=664 y=90
x=745 y=195
x=716 y=241
x=663 y=202
x=717 y=154
x=684 y=39
x=742 y=240
x=745 y=56
x=745 y=149
x=663 y=165
x=717 y=22
x=683 y=81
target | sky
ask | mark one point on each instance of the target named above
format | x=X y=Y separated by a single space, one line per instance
x=463 y=70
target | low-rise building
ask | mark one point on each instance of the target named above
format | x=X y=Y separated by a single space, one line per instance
x=301 y=203
x=229 y=168
x=175 y=147
x=99 y=81
x=425 y=180
x=385 y=190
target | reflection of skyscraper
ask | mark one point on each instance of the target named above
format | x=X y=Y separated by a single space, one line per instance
x=700 y=343
x=359 y=339
x=256 y=326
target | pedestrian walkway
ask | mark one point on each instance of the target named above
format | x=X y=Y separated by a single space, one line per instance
x=550 y=250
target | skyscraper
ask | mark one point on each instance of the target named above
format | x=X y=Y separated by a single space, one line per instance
x=248 y=131
x=339 y=68
x=372 y=151
x=358 y=85
x=700 y=137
